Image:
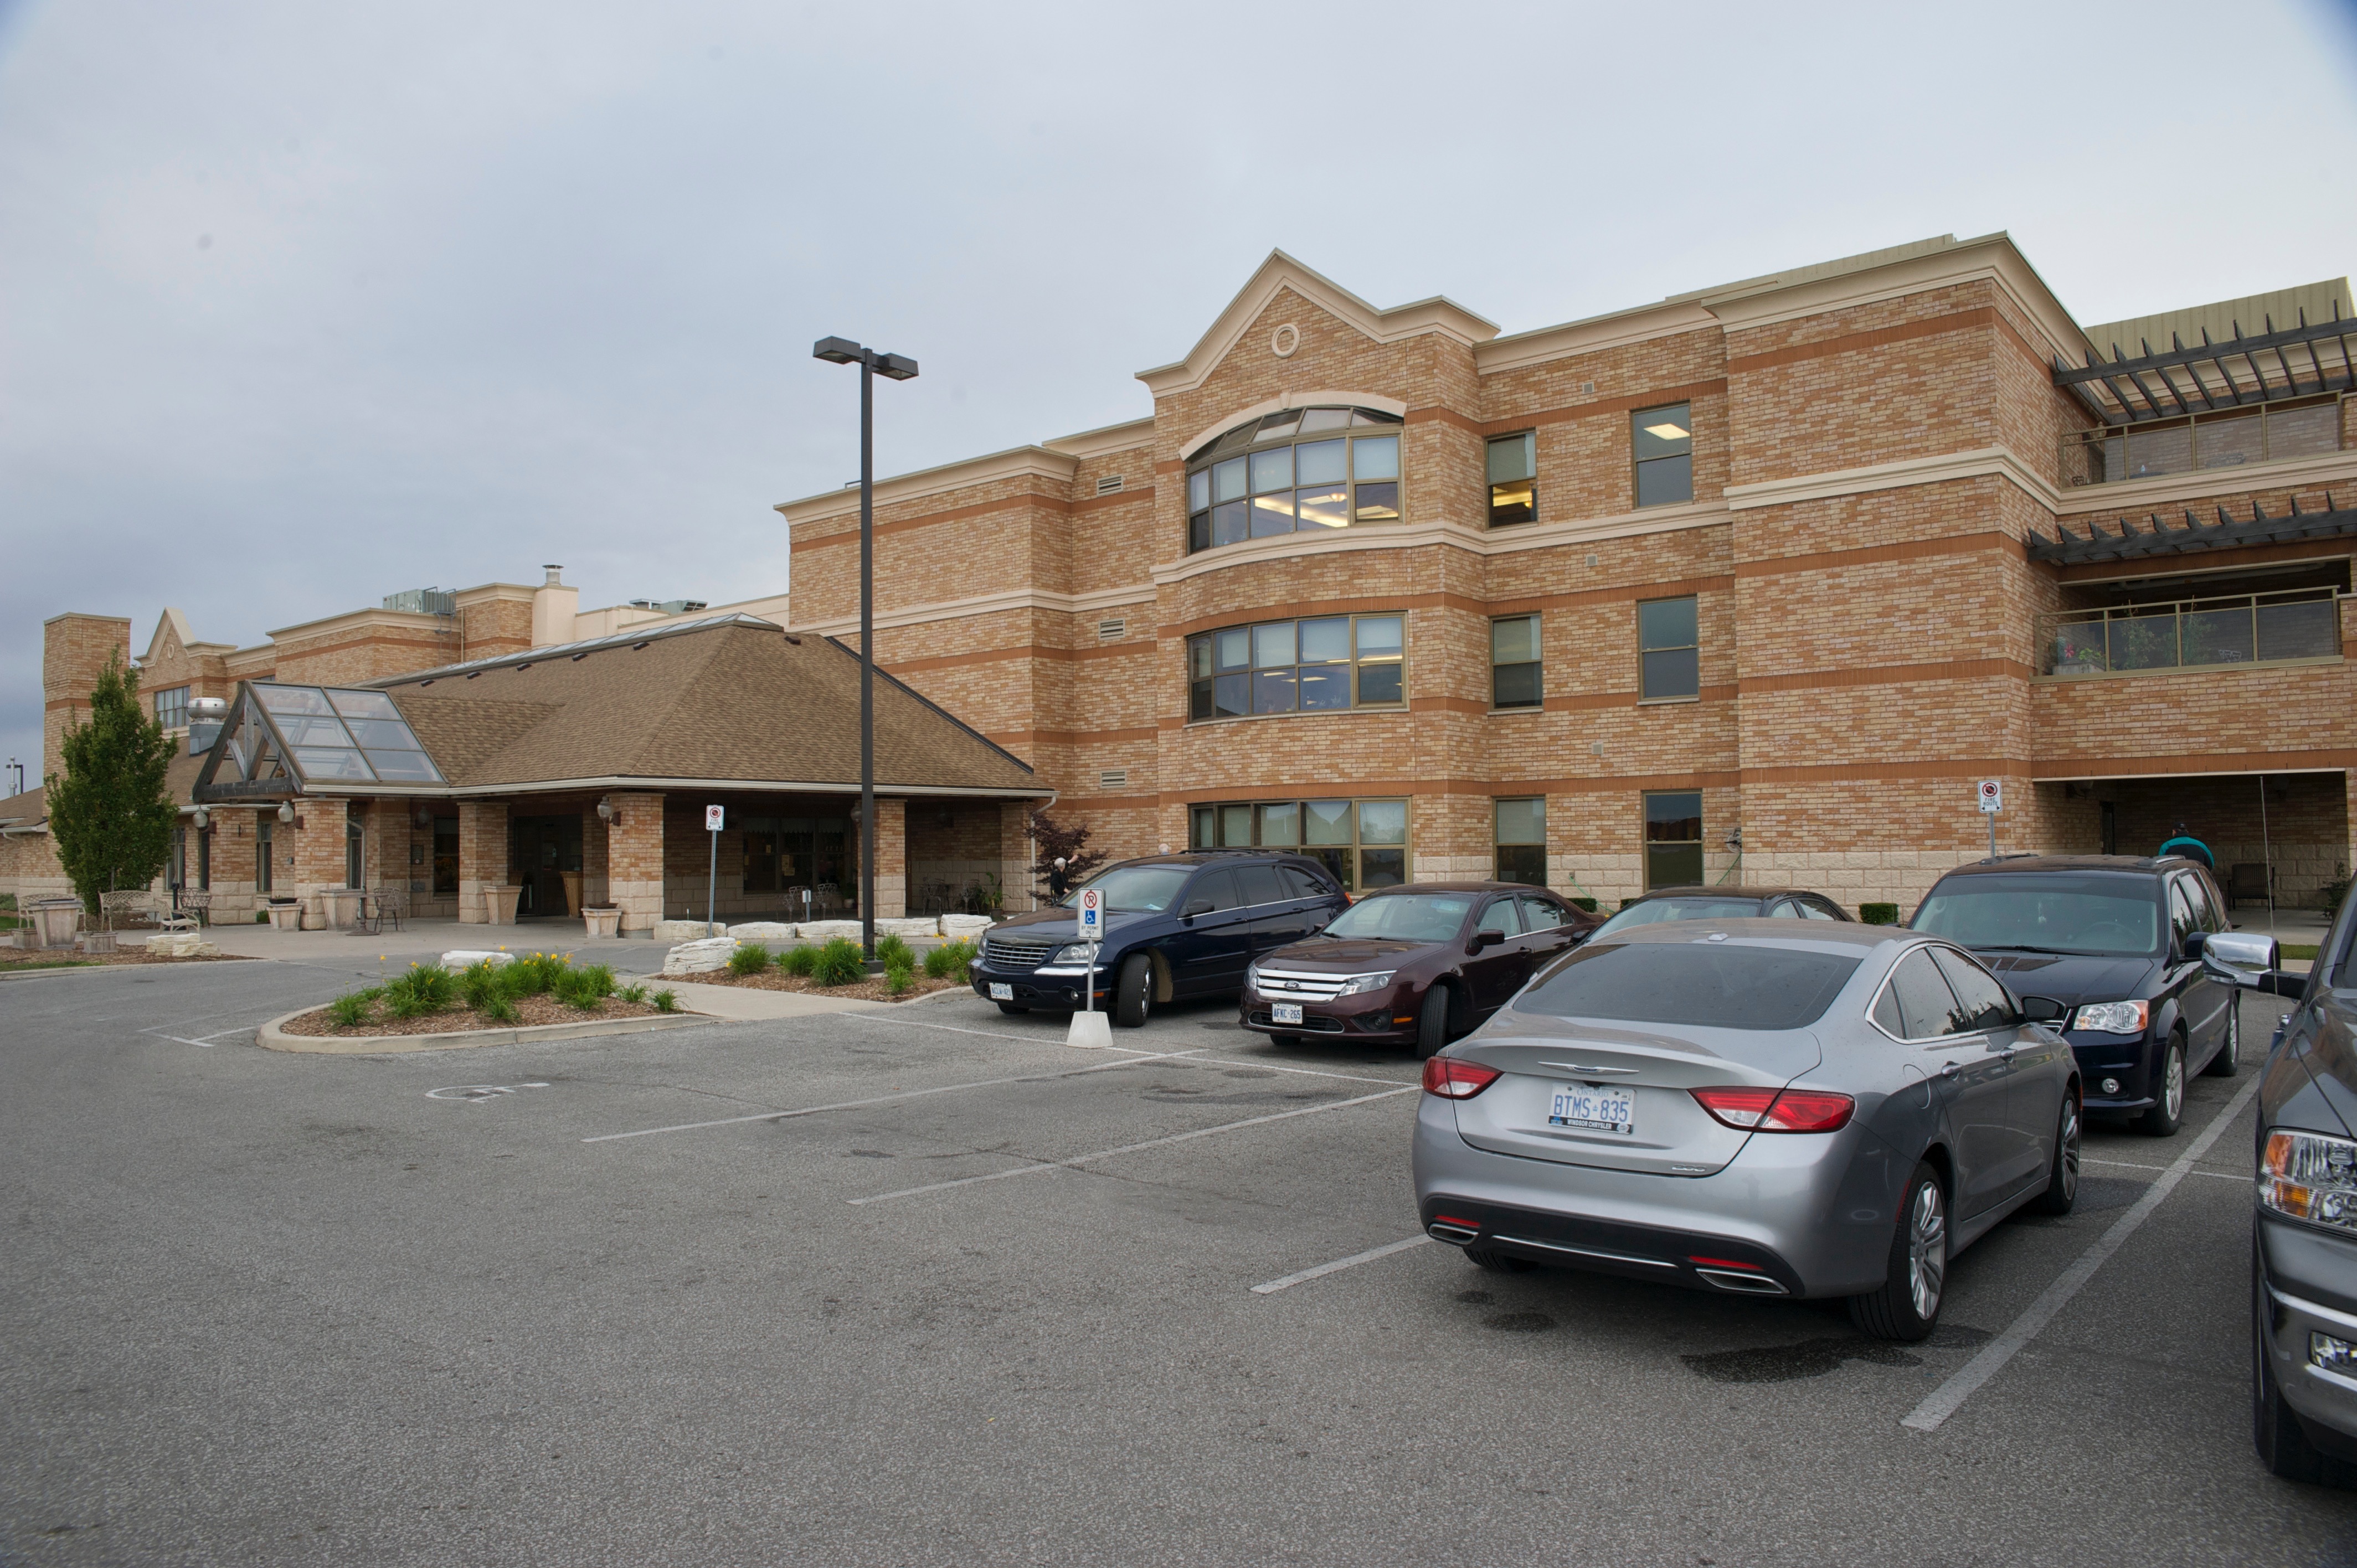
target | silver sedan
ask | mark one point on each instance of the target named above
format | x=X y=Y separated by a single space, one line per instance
x=1746 y=1107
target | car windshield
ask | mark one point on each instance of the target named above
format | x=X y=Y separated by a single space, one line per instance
x=1656 y=909
x=1702 y=984
x=1136 y=888
x=1405 y=917
x=2088 y=914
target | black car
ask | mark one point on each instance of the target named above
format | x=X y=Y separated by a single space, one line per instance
x=2115 y=942
x=1723 y=904
x=1174 y=926
x=2304 y=1232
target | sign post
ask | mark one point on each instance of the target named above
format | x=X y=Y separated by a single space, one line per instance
x=1090 y=1027
x=1989 y=795
x=712 y=816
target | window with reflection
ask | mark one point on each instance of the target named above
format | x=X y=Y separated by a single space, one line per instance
x=1674 y=839
x=1318 y=665
x=1514 y=669
x=1513 y=480
x=172 y=707
x=1522 y=840
x=1292 y=472
x=1363 y=843
x=1669 y=659
x=1661 y=443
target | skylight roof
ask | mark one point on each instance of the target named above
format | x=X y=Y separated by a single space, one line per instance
x=303 y=736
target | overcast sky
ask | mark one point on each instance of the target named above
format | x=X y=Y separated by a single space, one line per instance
x=302 y=305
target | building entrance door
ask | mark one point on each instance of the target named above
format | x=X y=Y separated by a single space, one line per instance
x=544 y=860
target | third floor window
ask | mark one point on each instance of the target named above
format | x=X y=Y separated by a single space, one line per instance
x=1294 y=472
x=1661 y=443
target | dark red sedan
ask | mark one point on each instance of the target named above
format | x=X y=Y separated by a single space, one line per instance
x=1416 y=965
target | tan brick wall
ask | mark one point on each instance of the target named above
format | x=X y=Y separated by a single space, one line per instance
x=634 y=859
x=482 y=856
x=74 y=651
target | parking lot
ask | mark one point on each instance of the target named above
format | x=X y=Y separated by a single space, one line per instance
x=925 y=1286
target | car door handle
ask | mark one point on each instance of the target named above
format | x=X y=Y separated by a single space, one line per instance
x=1951 y=1070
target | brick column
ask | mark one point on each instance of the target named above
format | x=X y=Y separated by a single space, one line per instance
x=1015 y=854
x=891 y=858
x=594 y=851
x=482 y=856
x=634 y=860
x=316 y=840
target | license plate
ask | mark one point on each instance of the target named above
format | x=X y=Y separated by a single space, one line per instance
x=1610 y=1110
x=1001 y=993
x=1285 y=1012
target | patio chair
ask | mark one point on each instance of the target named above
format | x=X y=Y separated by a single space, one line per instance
x=123 y=903
x=173 y=914
x=195 y=912
x=2246 y=883
x=384 y=904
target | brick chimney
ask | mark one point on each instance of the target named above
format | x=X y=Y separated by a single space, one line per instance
x=74 y=650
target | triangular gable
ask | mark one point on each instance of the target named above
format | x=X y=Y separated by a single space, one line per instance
x=251 y=756
x=1438 y=314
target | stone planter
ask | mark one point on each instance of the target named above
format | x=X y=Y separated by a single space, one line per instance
x=285 y=916
x=603 y=922
x=55 y=920
x=96 y=942
x=499 y=904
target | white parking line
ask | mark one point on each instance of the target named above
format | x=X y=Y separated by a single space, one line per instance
x=877 y=1100
x=1945 y=1400
x=1078 y=1160
x=1339 y=1265
x=2132 y=1165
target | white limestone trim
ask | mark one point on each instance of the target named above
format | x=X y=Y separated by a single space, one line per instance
x=1016 y=463
x=1976 y=464
x=1015 y=600
x=1417 y=535
x=1595 y=335
x=1105 y=440
x=2168 y=489
x=627 y=782
x=1324 y=396
x=1280 y=270
x=353 y=620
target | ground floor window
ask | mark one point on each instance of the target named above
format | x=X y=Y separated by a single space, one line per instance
x=1674 y=839
x=446 y=857
x=786 y=854
x=1522 y=841
x=355 y=854
x=176 y=875
x=204 y=859
x=262 y=826
x=1364 y=843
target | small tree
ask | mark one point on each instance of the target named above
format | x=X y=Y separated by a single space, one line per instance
x=109 y=817
x=1055 y=839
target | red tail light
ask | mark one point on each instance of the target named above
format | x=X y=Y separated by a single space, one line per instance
x=1774 y=1111
x=1455 y=1079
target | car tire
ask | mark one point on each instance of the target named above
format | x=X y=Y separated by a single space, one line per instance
x=2228 y=1059
x=1012 y=1007
x=2062 y=1171
x=1498 y=1262
x=1907 y=1308
x=1432 y=1021
x=2275 y=1432
x=2169 y=1099
x=1132 y=995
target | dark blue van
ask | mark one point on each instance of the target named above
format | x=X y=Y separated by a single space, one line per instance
x=1175 y=926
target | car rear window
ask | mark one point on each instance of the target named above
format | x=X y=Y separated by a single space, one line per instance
x=1655 y=910
x=2088 y=913
x=1704 y=984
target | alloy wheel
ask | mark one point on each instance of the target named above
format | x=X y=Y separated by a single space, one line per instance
x=2172 y=1085
x=1927 y=1250
x=2069 y=1145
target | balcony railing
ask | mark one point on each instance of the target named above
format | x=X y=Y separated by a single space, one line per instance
x=2229 y=438
x=2250 y=628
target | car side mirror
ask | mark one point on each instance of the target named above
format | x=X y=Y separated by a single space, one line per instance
x=2239 y=958
x=1486 y=939
x=2044 y=1010
x=1196 y=906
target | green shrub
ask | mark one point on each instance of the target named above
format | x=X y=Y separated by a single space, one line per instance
x=579 y=988
x=636 y=994
x=534 y=973
x=498 y=1007
x=480 y=984
x=600 y=977
x=839 y=963
x=890 y=951
x=898 y=977
x=426 y=988
x=751 y=958
x=1587 y=904
x=350 y=1012
x=951 y=961
x=1879 y=914
x=665 y=1001
x=800 y=962
x=262 y=916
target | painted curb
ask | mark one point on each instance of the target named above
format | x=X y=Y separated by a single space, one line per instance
x=270 y=1038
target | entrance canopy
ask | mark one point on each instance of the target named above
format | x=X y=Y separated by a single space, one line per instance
x=281 y=741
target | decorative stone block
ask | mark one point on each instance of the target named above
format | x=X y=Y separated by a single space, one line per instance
x=699 y=957
x=964 y=928
x=763 y=931
x=682 y=930
x=466 y=958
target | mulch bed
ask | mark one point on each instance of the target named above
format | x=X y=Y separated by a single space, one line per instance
x=530 y=1010
x=872 y=989
x=65 y=958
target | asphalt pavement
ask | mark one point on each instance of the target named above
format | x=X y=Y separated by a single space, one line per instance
x=924 y=1285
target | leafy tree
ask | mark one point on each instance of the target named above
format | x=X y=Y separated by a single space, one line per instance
x=109 y=816
x=1054 y=839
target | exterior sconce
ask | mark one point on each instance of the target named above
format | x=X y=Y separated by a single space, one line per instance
x=203 y=819
x=286 y=811
x=424 y=816
x=606 y=812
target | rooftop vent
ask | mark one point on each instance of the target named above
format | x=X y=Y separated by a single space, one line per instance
x=1109 y=484
x=424 y=602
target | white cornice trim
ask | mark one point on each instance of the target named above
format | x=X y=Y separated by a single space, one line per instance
x=1015 y=600
x=1977 y=463
x=1105 y=440
x=1439 y=315
x=1417 y=535
x=1617 y=330
x=621 y=782
x=1324 y=395
x=353 y=620
x=1017 y=462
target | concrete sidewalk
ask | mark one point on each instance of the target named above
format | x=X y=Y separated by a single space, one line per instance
x=739 y=1003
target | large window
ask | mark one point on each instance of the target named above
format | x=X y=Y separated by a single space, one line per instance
x=263 y=824
x=1515 y=672
x=1522 y=841
x=1674 y=839
x=172 y=707
x=1669 y=659
x=1363 y=843
x=1513 y=480
x=1291 y=472
x=1296 y=666
x=1662 y=449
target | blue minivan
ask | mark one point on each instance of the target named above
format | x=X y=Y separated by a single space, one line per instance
x=1175 y=926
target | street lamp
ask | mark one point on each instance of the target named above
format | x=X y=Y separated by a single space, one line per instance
x=898 y=367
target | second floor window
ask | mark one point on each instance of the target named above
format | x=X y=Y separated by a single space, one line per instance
x=1296 y=666
x=1292 y=472
x=1661 y=446
x=1513 y=480
x=172 y=707
x=1515 y=672
x=1669 y=659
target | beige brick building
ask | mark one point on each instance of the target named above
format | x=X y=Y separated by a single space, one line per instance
x=1757 y=582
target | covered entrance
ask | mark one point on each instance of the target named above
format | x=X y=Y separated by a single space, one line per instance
x=2279 y=835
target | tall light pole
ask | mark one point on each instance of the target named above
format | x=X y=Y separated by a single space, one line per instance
x=898 y=367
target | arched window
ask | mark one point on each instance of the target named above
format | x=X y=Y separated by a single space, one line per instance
x=1294 y=471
